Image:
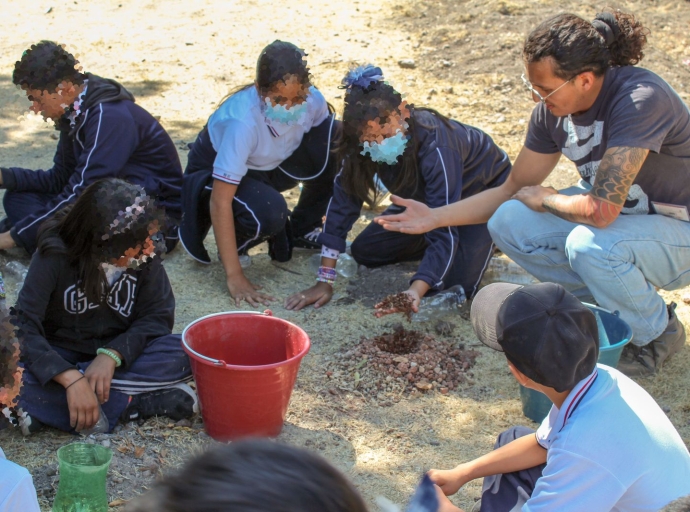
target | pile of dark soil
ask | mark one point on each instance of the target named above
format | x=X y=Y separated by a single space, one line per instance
x=400 y=341
x=391 y=364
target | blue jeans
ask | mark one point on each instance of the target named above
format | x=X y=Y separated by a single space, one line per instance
x=619 y=266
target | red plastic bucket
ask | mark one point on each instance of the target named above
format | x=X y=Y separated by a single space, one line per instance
x=245 y=365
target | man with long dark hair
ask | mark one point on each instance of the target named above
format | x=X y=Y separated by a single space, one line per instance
x=103 y=133
x=625 y=230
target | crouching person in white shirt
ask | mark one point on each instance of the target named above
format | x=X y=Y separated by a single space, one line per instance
x=605 y=445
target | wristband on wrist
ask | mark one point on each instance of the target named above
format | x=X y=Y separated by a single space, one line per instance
x=326 y=275
x=327 y=252
x=73 y=383
x=118 y=361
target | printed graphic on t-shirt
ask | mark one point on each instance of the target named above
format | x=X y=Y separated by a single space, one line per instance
x=76 y=302
x=583 y=143
x=120 y=297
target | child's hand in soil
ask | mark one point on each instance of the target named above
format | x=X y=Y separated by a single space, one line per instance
x=385 y=308
x=100 y=375
x=241 y=288
x=319 y=295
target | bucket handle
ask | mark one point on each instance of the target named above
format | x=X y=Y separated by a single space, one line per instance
x=218 y=362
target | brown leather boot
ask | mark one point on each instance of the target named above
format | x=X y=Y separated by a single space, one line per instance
x=646 y=360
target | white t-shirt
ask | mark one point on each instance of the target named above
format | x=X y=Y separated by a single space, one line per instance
x=244 y=139
x=610 y=448
x=17 y=491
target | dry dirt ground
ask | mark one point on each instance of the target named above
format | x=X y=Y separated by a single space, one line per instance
x=179 y=59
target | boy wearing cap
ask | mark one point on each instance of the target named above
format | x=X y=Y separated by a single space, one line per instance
x=605 y=445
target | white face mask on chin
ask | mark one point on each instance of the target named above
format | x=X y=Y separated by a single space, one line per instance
x=284 y=115
x=387 y=151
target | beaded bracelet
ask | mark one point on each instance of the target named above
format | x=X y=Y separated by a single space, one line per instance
x=118 y=361
x=326 y=275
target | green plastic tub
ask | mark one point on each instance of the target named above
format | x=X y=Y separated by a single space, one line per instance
x=83 y=469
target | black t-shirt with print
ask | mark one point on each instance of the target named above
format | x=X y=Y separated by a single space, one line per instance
x=635 y=108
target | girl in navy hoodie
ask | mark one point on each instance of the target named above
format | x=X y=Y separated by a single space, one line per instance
x=95 y=315
x=414 y=152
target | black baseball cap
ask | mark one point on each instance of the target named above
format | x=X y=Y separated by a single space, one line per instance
x=544 y=331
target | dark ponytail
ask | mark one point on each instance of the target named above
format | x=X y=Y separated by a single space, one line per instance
x=376 y=102
x=631 y=38
x=576 y=45
x=276 y=62
x=279 y=60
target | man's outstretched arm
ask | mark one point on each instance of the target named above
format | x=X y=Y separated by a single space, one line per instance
x=530 y=168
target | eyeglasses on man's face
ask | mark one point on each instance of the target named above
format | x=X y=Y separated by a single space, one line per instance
x=531 y=89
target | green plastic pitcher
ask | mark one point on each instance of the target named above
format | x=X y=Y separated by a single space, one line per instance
x=83 y=468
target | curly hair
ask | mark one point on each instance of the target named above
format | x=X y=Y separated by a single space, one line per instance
x=577 y=45
x=46 y=65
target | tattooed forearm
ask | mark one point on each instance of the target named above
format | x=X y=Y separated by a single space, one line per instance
x=582 y=209
x=616 y=174
x=602 y=205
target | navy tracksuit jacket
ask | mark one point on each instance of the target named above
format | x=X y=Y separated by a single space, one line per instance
x=112 y=137
x=454 y=162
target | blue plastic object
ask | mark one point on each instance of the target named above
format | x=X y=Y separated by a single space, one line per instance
x=536 y=405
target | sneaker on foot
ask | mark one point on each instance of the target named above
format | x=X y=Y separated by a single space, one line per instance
x=28 y=424
x=176 y=402
x=308 y=241
x=646 y=360
x=280 y=245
